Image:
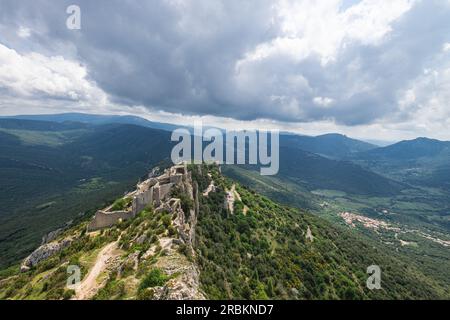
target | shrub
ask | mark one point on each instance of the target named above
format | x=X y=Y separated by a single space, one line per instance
x=183 y=249
x=121 y=204
x=166 y=220
x=186 y=202
x=111 y=291
x=155 y=278
x=68 y=294
x=172 y=231
x=160 y=230
x=146 y=294
x=153 y=239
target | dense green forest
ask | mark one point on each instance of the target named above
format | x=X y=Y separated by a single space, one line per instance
x=414 y=212
x=264 y=254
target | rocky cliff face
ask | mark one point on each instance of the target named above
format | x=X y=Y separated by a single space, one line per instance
x=44 y=252
x=184 y=287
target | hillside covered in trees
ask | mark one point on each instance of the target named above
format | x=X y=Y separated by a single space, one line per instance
x=261 y=251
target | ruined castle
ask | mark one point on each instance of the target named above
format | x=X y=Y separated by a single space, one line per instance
x=154 y=191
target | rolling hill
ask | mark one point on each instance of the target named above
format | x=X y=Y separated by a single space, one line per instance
x=420 y=162
x=329 y=145
x=95 y=119
x=407 y=150
x=64 y=169
x=315 y=172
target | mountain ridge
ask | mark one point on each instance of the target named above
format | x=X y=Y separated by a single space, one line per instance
x=408 y=149
x=95 y=119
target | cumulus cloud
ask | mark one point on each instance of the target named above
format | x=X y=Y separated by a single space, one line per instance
x=323 y=28
x=348 y=64
x=34 y=75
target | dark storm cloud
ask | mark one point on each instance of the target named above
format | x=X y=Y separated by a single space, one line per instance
x=184 y=57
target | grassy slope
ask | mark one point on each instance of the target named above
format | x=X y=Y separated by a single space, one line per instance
x=48 y=279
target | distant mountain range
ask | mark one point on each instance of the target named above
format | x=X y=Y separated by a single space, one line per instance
x=316 y=172
x=421 y=161
x=329 y=145
x=95 y=119
x=407 y=150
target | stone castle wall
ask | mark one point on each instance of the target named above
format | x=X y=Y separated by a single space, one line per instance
x=106 y=219
x=141 y=201
x=152 y=191
x=164 y=190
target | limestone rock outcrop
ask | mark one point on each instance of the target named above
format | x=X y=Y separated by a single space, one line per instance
x=44 y=252
x=184 y=287
x=49 y=237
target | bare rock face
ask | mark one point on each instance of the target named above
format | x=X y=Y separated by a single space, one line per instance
x=184 y=287
x=43 y=252
x=130 y=262
x=185 y=276
x=141 y=239
x=49 y=237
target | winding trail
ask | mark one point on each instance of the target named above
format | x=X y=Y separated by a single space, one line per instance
x=230 y=199
x=232 y=195
x=89 y=286
x=209 y=189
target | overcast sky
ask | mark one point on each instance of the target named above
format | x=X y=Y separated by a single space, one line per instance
x=371 y=69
